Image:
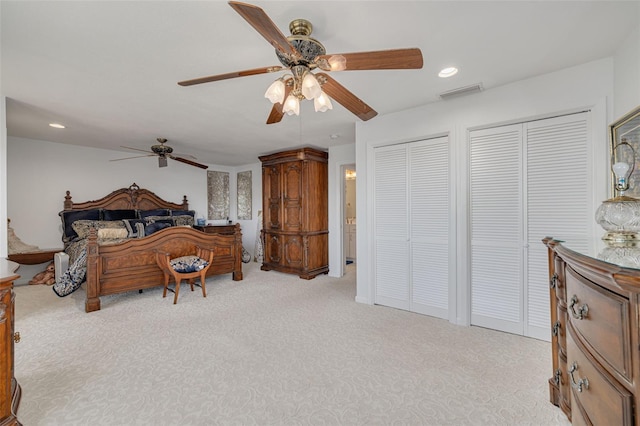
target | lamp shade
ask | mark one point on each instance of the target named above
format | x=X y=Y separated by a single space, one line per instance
x=275 y=92
x=322 y=102
x=338 y=63
x=291 y=105
x=310 y=86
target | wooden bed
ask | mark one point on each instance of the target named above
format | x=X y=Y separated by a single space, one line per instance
x=131 y=265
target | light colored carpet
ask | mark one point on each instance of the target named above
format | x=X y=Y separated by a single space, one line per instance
x=270 y=350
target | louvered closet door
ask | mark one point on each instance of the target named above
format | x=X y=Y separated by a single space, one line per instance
x=496 y=228
x=429 y=189
x=412 y=226
x=558 y=203
x=391 y=227
x=527 y=181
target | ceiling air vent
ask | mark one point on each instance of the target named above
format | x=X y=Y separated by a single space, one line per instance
x=466 y=90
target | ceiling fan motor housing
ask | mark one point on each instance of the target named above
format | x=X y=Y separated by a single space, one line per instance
x=308 y=48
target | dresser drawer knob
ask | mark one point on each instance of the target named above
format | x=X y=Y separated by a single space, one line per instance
x=556 y=377
x=582 y=310
x=553 y=281
x=580 y=383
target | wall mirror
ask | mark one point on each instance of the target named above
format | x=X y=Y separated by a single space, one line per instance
x=626 y=131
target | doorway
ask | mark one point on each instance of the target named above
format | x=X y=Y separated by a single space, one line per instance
x=349 y=253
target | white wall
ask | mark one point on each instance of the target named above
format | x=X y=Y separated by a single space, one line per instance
x=589 y=86
x=626 y=74
x=3 y=176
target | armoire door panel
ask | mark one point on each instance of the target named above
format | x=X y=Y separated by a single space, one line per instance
x=292 y=197
x=273 y=249
x=293 y=251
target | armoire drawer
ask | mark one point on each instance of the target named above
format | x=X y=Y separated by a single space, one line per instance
x=600 y=398
x=601 y=318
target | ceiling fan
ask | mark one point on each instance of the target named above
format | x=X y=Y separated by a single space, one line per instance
x=300 y=54
x=163 y=152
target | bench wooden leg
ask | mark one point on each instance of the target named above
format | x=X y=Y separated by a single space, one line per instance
x=175 y=298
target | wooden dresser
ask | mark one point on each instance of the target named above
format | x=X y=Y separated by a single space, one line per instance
x=295 y=200
x=595 y=317
x=10 y=391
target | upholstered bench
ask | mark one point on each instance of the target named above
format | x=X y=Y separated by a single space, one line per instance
x=184 y=268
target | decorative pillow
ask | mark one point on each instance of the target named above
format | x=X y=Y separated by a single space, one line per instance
x=191 y=213
x=186 y=264
x=132 y=227
x=118 y=214
x=70 y=216
x=82 y=227
x=164 y=219
x=112 y=233
x=155 y=227
x=183 y=220
x=142 y=214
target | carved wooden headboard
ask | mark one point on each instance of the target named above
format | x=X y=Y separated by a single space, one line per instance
x=127 y=198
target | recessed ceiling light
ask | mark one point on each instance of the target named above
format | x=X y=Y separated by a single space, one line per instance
x=448 y=72
x=57 y=125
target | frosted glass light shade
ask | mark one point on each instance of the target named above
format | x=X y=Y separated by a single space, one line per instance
x=620 y=217
x=338 y=63
x=291 y=105
x=275 y=92
x=310 y=86
x=322 y=103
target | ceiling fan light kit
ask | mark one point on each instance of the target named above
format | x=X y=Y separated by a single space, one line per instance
x=301 y=54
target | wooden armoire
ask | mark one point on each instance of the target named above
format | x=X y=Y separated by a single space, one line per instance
x=295 y=221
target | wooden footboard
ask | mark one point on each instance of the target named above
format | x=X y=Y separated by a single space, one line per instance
x=131 y=265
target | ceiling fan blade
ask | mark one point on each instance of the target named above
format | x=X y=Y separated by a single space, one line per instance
x=138 y=149
x=235 y=74
x=276 y=114
x=189 y=162
x=276 y=111
x=396 y=59
x=345 y=98
x=129 y=158
x=260 y=21
x=191 y=157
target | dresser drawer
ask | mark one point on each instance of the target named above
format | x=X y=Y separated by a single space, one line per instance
x=597 y=395
x=601 y=318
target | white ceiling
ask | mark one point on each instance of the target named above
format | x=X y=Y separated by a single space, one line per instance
x=108 y=70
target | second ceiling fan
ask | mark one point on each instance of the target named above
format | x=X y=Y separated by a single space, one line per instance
x=301 y=54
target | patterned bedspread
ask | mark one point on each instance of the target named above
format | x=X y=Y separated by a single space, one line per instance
x=73 y=277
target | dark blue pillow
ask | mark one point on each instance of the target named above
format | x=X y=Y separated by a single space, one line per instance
x=70 y=216
x=191 y=213
x=156 y=212
x=155 y=227
x=118 y=214
x=132 y=230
